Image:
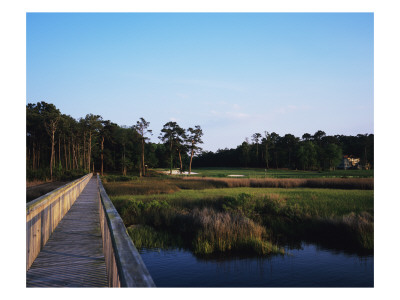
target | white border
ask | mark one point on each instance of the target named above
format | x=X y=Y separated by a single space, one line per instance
x=12 y=150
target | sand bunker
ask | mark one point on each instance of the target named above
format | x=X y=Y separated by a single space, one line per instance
x=176 y=172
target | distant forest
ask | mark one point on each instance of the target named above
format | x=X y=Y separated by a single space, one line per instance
x=61 y=147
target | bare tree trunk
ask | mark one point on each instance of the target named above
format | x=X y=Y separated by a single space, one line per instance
x=102 y=154
x=76 y=155
x=65 y=154
x=123 y=163
x=38 y=158
x=59 y=150
x=28 y=150
x=80 y=156
x=52 y=155
x=180 y=160
x=190 y=164
x=144 y=171
x=170 y=170
x=262 y=156
x=74 y=160
x=257 y=152
x=33 y=156
x=84 y=150
x=89 y=149
x=69 y=154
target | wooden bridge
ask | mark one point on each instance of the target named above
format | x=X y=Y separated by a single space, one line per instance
x=75 y=238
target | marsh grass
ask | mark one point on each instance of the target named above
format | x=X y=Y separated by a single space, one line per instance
x=199 y=211
x=315 y=214
x=310 y=202
x=225 y=231
x=331 y=183
x=204 y=231
x=151 y=185
x=140 y=187
x=156 y=186
x=145 y=236
x=361 y=226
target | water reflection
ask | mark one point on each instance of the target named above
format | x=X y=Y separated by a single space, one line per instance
x=310 y=266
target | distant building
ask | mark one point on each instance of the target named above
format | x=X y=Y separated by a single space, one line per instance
x=349 y=162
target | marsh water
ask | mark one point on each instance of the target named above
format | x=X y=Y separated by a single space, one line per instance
x=308 y=266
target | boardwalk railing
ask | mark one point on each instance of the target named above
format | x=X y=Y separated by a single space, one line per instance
x=125 y=267
x=44 y=213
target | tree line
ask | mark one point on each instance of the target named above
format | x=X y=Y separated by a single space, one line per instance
x=316 y=151
x=57 y=146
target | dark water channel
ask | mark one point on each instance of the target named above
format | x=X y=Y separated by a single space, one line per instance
x=310 y=266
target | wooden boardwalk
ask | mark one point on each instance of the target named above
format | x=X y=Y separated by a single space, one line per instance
x=73 y=256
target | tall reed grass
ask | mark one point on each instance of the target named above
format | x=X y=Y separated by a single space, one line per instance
x=143 y=187
x=331 y=183
x=205 y=230
x=224 y=231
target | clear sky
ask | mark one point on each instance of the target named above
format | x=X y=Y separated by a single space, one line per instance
x=232 y=74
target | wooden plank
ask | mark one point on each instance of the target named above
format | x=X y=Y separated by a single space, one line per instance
x=37 y=211
x=73 y=255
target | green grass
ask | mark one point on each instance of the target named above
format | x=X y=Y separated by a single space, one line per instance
x=147 y=237
x=212 y=217
x=280 y=173
x=313 y=202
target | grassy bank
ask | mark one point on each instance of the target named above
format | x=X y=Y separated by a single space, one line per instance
x=281 y=173
x=170 y=185
x=247 y=219
x=308 y=202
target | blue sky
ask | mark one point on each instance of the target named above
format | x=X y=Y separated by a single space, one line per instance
x=232 y=74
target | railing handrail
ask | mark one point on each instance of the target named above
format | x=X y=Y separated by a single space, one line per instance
x=42 y=200
x=132 y=271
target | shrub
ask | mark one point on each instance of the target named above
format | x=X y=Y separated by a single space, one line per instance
x=72 y=174
x=116 y=178
x=40 y=174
